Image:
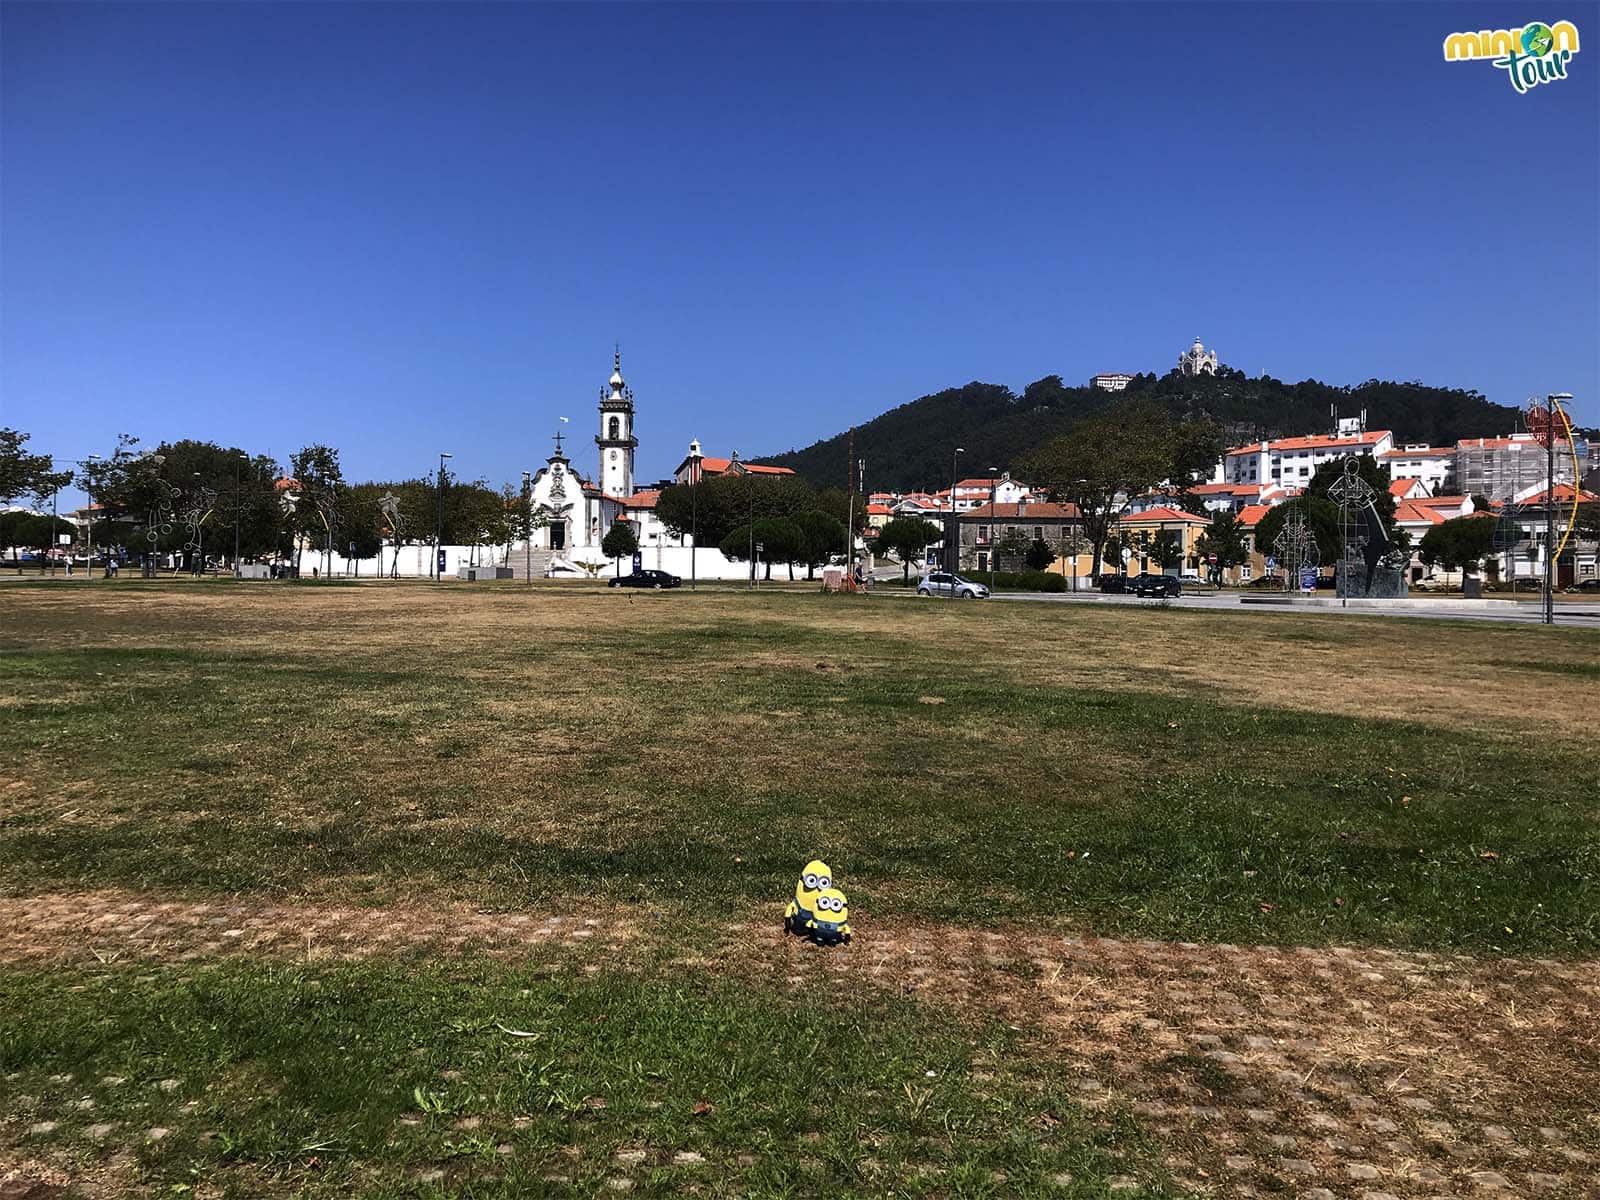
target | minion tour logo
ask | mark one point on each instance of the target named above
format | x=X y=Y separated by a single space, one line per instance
x=1535 y=54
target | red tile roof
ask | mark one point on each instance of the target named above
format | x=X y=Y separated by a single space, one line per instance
x=1428 y=452
x=1316 y=442
x=719 y=466
x=643 y=499
x=1399 y=487
x=1251 y=514
x=1043 y=510
x=878 y=510
x=1563 y=495
x=1410 y=512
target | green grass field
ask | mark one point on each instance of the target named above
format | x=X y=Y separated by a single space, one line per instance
x=671 y=761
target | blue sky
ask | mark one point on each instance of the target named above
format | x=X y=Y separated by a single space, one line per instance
x=406 y=229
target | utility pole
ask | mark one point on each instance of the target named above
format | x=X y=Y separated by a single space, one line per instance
x=850 y=503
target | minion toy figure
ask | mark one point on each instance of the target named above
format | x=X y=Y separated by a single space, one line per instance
x=816 y=876
x=831 y=924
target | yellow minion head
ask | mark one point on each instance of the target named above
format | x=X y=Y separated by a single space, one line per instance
x=832 y=907
x=816 y=876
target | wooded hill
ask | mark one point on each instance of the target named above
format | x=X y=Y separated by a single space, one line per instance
x=909 y=447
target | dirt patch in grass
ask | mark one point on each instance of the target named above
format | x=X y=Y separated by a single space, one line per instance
x=1258 y=1064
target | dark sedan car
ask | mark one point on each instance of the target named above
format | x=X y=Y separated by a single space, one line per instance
x=647 y=579
x=1112 y=583
x=1151 y=584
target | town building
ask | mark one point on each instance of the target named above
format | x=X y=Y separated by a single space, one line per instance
x=1434 y=465
x=1162 y=524
x=1525 y=559
x=1114 y=382
x=1502 y=468
x=1291 y=462
x=987 y=527
x=1197 y=360
x=697 y=466
x=1235 y=497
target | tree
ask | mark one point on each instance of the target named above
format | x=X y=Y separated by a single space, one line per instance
x=1224 y=540
x=1375 y=476
x=908 y=538
x=1039 y=556
x=620 y=542
x=823 y=535
x=1101 y=462
x=1321 y=515
x=316 y=467
x=1459 y=544
x=1163 y=547
x=24 y=474
x=777 y=540
x=1010 y=546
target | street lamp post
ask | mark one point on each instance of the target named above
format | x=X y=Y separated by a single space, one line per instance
x=438 y=524
x=952 y=554
x=88 y=522
x=994 y=518
x=527 y=525
x=694 y=517
x=238 y=458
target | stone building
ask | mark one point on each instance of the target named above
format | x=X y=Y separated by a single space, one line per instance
x=1197 y=360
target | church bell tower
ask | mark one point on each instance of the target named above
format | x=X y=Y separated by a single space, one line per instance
x=615 y=439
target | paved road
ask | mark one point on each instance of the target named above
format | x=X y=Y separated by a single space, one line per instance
x=1578 y=615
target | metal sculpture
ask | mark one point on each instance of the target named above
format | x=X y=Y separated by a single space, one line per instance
x=1367 y=549
x=1296 y=546
x=158 y=522
x=389 y=510
x=197 y=505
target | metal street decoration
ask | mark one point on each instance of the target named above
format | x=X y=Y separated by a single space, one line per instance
x=196 y=506
x=1297 y=547
x=1369 y=562
x=158 y=521
x=389 y=509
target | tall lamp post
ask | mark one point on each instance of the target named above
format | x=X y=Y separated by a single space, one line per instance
x=238 y=458
x=994 y=519
x=88 y=522
x=694 y=515
x=527 y=525
x=952 y=553
x=438 y=524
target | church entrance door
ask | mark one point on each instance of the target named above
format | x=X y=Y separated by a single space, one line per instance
x=558 y=536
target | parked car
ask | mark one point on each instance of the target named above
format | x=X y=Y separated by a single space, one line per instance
x=1112 y=583
x=647 y=579
x=1585 y=585
x=1190 y=579
x=1151 y=584
x=940 y=583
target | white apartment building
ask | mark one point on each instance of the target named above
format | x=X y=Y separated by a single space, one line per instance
x=1290 y=462
x=1115 y=381
x=1434 y=465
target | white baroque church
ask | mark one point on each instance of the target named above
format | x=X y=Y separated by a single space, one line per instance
x=577 y=513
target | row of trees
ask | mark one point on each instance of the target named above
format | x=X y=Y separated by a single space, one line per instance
x=145 y=500
x=775 y=519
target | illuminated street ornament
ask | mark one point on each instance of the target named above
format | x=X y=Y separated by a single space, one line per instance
x=807 y=916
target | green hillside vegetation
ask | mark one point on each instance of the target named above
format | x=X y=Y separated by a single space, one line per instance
x=909 y=447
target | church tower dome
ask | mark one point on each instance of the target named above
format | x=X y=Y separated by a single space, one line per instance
x=615 y=439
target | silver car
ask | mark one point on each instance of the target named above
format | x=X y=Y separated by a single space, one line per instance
x=940 y=583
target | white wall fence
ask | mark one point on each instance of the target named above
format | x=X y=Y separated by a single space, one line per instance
x=414 y=562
